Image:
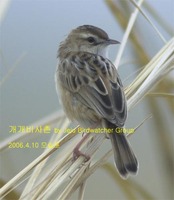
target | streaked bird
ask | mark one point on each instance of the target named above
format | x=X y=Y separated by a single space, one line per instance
x=91 y=90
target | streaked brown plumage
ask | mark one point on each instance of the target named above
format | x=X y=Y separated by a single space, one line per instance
x=91 y=91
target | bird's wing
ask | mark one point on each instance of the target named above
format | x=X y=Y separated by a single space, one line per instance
x=95 y=82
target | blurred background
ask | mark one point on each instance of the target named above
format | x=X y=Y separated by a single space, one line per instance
x=30 y=35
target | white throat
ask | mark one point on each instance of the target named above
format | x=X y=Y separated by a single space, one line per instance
x=103 y=52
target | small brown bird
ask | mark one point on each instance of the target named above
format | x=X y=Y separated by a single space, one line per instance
x=91 y=91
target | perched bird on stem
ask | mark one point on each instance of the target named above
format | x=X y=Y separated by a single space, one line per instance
x=91 y=91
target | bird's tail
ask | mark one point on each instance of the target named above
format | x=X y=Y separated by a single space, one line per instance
x=125 y=159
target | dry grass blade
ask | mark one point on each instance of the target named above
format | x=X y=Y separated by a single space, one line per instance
x=153 y=72
x=126 y=35
x=82 y=191
x=3 y=8
x=122 y=19
x=147 y=18
x=76 y=167
x=91 y=170
x=72 y=183
x=39 y=159
x=160 y=94
x=39 y=167
x=163 y=23
x=11 y=70
x=148 y=117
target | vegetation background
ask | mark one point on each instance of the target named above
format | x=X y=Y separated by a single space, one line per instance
x=30 y=34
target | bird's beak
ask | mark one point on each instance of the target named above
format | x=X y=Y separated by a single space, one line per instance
x=110 y=41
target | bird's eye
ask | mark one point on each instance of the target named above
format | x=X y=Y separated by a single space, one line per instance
x=91 y=40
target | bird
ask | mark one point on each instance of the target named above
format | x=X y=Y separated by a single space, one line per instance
x=91 y=91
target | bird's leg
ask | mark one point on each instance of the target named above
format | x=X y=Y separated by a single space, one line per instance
x=77 y=153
